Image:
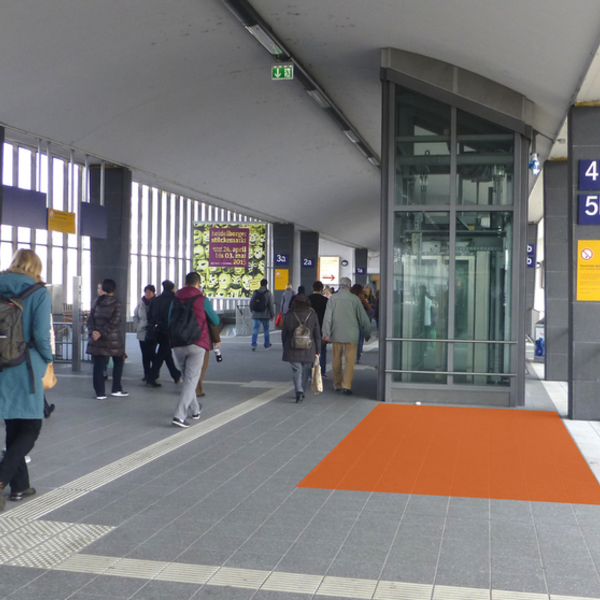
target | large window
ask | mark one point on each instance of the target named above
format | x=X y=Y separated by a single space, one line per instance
x=453 y=245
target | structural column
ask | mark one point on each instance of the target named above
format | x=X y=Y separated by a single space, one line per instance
x=584 y=315
x=556 y=265
x=361 y=258
x=110 y=257
x=309 y=256
x=283 y=254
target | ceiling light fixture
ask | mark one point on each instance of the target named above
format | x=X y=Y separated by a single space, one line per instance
x=261 y=32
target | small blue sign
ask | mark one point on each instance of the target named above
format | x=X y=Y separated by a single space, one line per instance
x=308 y=262
x=360 y=271
x=589 y=174
x=589 y=209
x=282 y=259
x=531 y=255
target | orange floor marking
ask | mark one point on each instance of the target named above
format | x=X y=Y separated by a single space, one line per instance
x=464 y=452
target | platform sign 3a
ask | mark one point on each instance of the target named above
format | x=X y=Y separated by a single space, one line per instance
x=588 y=270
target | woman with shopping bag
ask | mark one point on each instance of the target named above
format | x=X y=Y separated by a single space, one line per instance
x=301 y=338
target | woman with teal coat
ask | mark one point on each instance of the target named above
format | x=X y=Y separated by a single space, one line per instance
x=21 y=408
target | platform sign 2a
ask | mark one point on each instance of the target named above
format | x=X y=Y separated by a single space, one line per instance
x=531 y=255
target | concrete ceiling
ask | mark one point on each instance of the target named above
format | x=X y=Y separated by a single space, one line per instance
x=181 y=93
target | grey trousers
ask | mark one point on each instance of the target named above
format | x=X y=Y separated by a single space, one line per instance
x=190 y=359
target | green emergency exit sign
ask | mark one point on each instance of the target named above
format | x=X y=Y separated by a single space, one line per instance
x=282 y=72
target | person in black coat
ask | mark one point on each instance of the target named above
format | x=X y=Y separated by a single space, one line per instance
x=158 y=324
x=106 y=340
x=319 y=302
x=301 y=360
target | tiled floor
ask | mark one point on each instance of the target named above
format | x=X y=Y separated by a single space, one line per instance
x=130 y=507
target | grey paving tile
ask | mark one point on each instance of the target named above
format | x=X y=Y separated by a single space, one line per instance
x=166 y=590
x=309 y=565
x=511 y=510
x=471 y=508
x=583 y=584
x=361 y=569
x=253 y=560
x=427 y=505
x=259 y=545
x=391 y=504
x=531 y=580
x=18 y=576
x=466 y=575
x=197 y=555
x=223 y=593
x=268 y=595
x=410 y=567
x=113 y=587
x=553 y=513
x=478 y=529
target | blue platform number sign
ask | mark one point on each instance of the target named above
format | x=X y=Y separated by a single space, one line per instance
x=282 y=259
x=531 y=256
x=308 y=262
x=360 y=271
x=589 y=209
x=589 y=175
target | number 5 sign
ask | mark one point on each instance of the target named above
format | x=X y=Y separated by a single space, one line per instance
x=589 y=209
x=589 y=175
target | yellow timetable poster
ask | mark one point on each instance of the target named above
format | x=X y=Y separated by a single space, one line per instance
x=588 y=270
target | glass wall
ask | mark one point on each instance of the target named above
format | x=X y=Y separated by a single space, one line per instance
x=453 y=218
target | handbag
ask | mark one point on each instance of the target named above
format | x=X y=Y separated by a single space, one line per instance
x=49 y=378
x=317 y=382
x=279 y=320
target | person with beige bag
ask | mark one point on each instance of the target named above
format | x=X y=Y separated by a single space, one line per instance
x=21 y=389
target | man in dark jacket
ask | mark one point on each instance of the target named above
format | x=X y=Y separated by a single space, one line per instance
x=158 y=324
x=263 y=311
x=319 y=303
x=106 y=340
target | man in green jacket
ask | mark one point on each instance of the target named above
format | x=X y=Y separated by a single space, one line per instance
x=344 y=318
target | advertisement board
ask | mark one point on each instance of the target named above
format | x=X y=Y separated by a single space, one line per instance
x=230 y=258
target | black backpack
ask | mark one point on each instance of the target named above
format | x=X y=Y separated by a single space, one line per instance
x=259 y=302
x=14 y=350
x=183 y=325
x=301 y=338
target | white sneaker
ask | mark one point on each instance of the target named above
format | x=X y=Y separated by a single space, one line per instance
x=120 y=394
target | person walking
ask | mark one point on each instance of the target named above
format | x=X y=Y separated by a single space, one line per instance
x=359 y=291
x=191 y=357
x=215 y=341
x=286 y=298
x=106 y=340
x=140 y=322
x=319 y=302
x=301 y=359
x=21 y=390
x=263 y=311
x=158 y=325
x=343 y=321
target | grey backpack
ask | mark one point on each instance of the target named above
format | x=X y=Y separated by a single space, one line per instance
x=301 y=338
x=14 y=350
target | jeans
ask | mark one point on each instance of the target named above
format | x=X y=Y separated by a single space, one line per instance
x=99 y=364
x=256 y=328
x=323 y=358
x=191 y=359
x=21 y=435
x=300 y=374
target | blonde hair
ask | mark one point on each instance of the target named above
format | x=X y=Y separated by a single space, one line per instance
x=26 y=262
x=289 y=286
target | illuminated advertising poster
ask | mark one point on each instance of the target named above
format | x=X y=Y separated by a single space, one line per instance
x=230 y=258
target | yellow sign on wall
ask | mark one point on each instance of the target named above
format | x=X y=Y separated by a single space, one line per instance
x=588 y=270
x=59 y=220
x=282 y=278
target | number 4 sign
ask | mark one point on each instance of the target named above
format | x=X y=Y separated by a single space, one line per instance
x=589 y=175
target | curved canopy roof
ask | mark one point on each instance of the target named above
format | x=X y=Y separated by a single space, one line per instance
x=182 y=94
